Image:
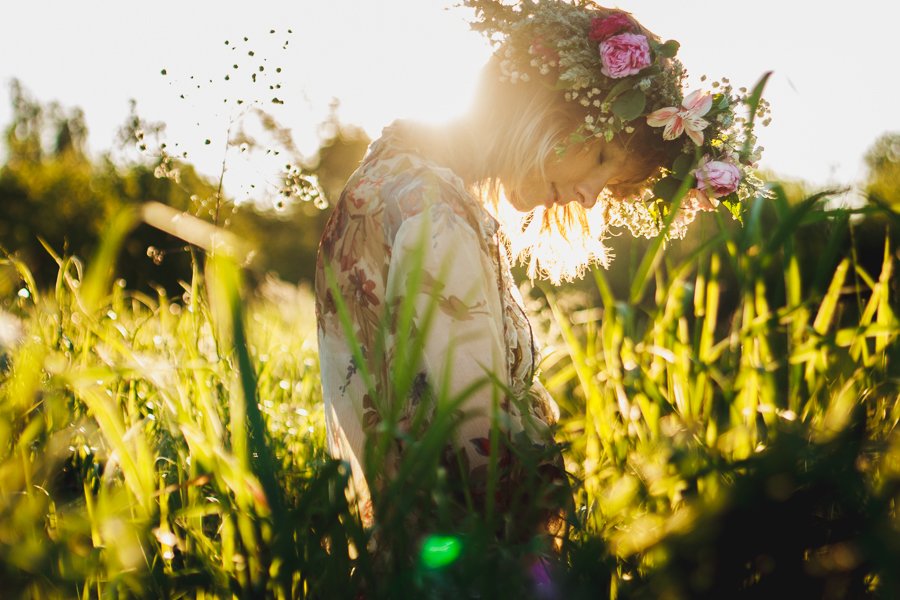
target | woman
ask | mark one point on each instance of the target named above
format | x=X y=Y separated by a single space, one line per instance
x=577 y=128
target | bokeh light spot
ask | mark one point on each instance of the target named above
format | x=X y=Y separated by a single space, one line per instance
x=439 y=551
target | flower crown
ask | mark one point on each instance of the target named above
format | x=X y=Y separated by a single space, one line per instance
x=620 y=74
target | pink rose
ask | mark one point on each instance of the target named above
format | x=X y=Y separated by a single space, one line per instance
x=603 y=28
x=624 y=54
x=717 y=178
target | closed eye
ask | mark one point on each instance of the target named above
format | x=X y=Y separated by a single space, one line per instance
x=631 y=181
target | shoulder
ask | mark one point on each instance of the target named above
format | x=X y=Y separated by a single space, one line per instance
x=421 y=187
x=399 y=185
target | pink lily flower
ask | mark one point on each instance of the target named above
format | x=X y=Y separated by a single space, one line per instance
x=699 y=200
x=687 y=118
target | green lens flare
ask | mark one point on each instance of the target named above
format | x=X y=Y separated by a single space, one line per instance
x=438 y=551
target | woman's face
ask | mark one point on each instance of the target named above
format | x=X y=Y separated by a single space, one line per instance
x=579 y=175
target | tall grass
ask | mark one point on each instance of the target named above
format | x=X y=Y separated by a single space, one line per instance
x=154 y=447
x=722 y=442
x=679 y=402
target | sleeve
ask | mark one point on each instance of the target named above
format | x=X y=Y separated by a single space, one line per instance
x=440 y=262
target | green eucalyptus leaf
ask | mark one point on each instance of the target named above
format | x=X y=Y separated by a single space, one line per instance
x=629 y=105
x=756 y=94
x=656 y=209
x=733 y=205
x=669 y=49
x=650 y=71
x=666 y=188
x=682 y=166
x=617 y=89
x=753 y=104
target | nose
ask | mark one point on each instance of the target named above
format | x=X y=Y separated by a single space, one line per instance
x=588 y=191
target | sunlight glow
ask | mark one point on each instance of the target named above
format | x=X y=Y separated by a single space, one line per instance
x=418 y=59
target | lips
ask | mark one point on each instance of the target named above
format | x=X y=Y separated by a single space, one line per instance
x=550 y=203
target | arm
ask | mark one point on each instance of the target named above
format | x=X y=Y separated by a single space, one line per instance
x=440 y=268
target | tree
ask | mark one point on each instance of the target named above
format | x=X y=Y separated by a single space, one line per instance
x=51 y=190
x=883 y=162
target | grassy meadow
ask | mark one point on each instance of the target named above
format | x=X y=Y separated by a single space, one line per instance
x=729 y=426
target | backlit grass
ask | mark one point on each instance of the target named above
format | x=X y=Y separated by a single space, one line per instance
x=729 y=425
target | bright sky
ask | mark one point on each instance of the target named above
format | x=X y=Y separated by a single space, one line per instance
x=834 y=88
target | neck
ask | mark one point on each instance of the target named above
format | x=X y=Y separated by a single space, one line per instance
x=453 y=145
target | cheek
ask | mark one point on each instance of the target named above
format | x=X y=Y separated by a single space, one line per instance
x=519 y=198
x=515 y=200
x=577 y=167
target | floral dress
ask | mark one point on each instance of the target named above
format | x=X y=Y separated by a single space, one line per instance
x=399 y=215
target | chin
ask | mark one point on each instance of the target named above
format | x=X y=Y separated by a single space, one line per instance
x=521 y=204
x=529 y=197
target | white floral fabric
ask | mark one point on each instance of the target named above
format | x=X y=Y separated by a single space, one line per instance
x=400 y=212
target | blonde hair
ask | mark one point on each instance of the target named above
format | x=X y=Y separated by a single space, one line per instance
x=512 y=132
x=518 y=128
